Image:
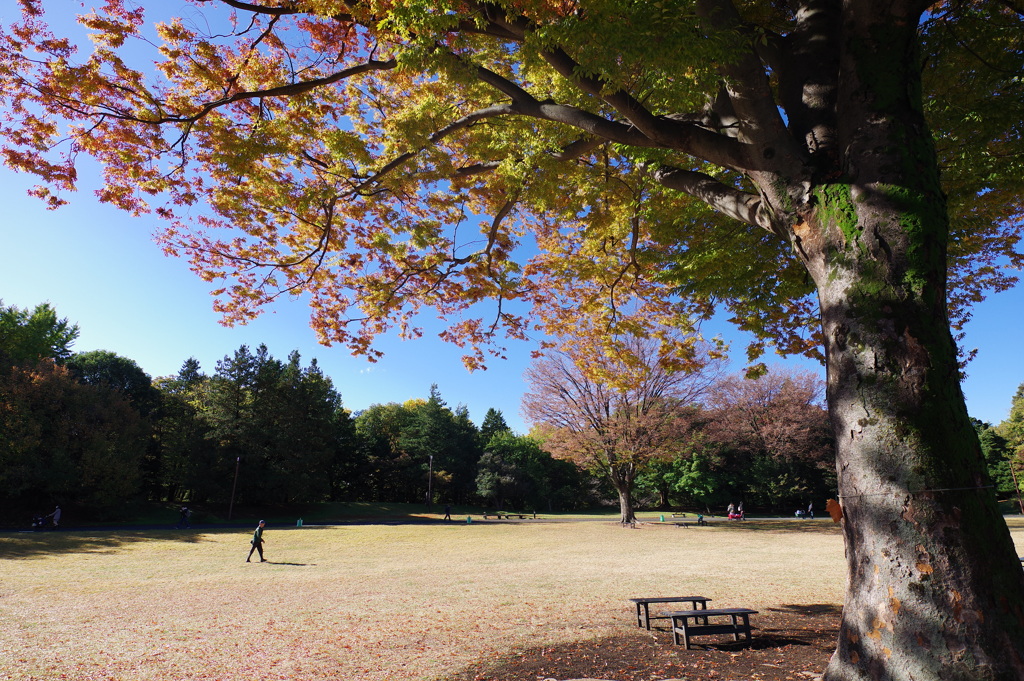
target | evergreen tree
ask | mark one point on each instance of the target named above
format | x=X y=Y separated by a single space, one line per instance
x=105 y=368
x=1012 y=428
x=493 y=423
x=450 y=438
x=999 y=456
x=347 y=462
x=304 y=405
x=227 y=409
x=186 y=453
x=389 y=473
x=26 y=336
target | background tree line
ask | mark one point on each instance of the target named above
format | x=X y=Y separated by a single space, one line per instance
x=93 y=429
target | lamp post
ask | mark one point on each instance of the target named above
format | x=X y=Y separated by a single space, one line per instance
x=231 y=506
x=430 y=481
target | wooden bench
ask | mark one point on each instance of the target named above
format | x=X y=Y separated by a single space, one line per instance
x=683 y=523
x=700 y=622
x=505 y=515
x=643 y=607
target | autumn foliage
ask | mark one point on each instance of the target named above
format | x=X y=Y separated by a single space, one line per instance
x=843 y=178
x=351 y=154
x=62 y=439
x=780 y=414
x=616 y=418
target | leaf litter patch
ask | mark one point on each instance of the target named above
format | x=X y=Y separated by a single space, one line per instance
x=791 y=643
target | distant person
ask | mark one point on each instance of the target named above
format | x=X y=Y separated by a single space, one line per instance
x=257 y=542
x=55 y=516
x=447 y=511
x=810 y=510
x=184 y=515
x=730 y=510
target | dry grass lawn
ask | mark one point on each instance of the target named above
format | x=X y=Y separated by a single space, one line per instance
x=373 y=602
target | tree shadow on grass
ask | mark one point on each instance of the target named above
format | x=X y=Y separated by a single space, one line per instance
x=24 y=545
x=818 y=526
x=830 y=609
x=789 y=642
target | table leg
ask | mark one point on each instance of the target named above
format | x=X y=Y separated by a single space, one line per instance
x=643 y=617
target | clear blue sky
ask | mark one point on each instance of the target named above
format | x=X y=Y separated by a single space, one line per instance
x=101 y=269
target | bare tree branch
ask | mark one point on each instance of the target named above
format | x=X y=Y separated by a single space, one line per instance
x=280 y=91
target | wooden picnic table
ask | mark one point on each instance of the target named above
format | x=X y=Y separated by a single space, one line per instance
x=643 y=607
x=699 y=622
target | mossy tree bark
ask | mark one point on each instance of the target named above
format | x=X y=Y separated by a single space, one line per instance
x=934 y=585
x=935 y=588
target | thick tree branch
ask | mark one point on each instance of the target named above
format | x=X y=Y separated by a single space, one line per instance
x=688 y=138
x=659 y=131
x=809 y=78
x=291 y=8
x=663 y=131
x=761 y=123
x=723 y=198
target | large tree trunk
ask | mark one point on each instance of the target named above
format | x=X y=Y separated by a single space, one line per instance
x=935 y=588
x=621 y=477
x=626 y=506
x=663 y=498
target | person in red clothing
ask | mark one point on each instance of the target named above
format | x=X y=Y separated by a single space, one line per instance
x=257 y=542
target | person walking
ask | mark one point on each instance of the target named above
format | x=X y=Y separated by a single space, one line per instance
x=56 y=517
x=257 y=542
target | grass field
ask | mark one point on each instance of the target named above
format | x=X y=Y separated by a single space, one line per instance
x=374 y=602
